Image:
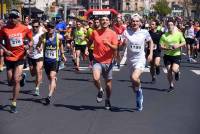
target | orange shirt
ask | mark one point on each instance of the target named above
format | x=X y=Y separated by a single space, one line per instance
x=102 y=52
x=14 y=40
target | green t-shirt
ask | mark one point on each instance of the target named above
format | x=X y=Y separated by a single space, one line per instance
x=89 y=33
x=168 y=40
x=79 y=37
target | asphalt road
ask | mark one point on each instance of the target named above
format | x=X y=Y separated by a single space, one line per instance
x=74 y=109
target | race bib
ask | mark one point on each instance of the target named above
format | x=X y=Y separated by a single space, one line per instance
x=50 y=54
x=136 y=48
x=16 y=40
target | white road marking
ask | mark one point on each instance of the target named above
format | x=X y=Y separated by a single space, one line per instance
x=196 y=71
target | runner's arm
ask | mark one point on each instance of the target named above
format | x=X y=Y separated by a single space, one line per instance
x=61 y=47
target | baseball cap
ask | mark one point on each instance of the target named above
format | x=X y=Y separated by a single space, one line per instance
x=14 y=13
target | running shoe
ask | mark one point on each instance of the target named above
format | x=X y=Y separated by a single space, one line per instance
x=139 y=100
x=23 y=80
x=100 y=96
x=157 y=70
x=61 y=66
x=13 y=109
x=37 y=92
x=107 y=104
x=171 y=88
x=74 y=62
x=48 y=100
x=177 y=76
x=153 y=80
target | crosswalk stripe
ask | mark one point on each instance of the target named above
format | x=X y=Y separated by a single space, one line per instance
x=196 y=71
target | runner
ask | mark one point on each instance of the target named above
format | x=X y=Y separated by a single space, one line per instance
x=155 y=63
x=61 y=27
x=190 y=40
x=69 y=38
x=14 y=34
x=1 y=50
x=119 y=28
x=105 y=44
x=135 y=38
x=80 y=43
x=53 y=52
x=35 y=58
x=171 y=42
x=96 y=26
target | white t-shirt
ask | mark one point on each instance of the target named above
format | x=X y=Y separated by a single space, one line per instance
x=136 y=43
x=35 y=54
x=189 y=33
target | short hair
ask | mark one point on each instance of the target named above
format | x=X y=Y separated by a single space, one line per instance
x=35 y=21
x=171 y=20
x=96 y=18
x=50 y=25
x=156 y=21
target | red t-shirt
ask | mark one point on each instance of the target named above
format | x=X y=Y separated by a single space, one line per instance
x=102 y=52
x=14 y=40
x=119 y=29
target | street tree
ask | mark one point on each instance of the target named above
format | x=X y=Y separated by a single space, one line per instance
x=162 y=8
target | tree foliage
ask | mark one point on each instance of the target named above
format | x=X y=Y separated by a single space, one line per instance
x=162 y=8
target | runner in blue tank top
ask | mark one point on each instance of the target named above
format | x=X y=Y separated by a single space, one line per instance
x=53 y=54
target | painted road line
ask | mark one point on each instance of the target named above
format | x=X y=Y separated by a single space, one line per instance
x=196 y=71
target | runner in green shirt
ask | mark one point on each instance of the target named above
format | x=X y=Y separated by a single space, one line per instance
x=171 y=42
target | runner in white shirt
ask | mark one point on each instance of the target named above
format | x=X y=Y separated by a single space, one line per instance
x=35 y=58
x=135 y=38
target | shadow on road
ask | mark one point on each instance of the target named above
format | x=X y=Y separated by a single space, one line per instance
x=154 y=89
x=124 y=80
x=5 y=108
x=29 y=92
x=94 y=108
x=80 y=108
x=40 y=101
x=146 y=82
x=3 y=83
x=77 y=79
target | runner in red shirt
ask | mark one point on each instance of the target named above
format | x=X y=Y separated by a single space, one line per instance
x=105 y=43
x=119 y=28
x=13 y=35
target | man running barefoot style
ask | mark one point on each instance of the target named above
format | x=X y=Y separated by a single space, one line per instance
x=105 y=44
x=135 y=37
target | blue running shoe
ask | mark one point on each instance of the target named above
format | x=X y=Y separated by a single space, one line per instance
x=13 y=109
x=139 y=100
